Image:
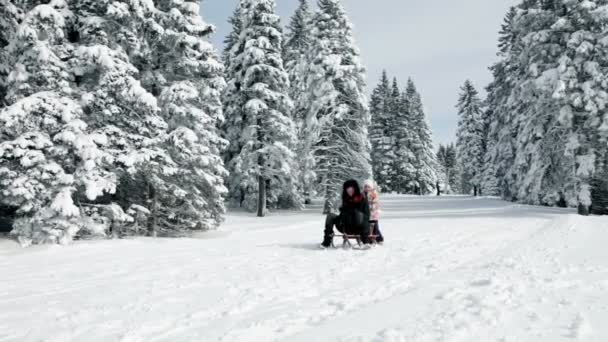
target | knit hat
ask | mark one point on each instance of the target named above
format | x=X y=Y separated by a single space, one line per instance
x=370 y=183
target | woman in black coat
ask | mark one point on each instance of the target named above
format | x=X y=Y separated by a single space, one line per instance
x=354 y=215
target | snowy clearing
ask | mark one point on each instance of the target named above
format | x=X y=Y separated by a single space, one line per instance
x=453 y=269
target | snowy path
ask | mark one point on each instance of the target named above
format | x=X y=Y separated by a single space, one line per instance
x=453 y=269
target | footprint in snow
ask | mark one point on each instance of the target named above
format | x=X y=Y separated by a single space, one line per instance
x=481 y=283
x=579 y=328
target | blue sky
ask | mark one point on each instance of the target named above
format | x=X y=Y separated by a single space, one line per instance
x=439 y=43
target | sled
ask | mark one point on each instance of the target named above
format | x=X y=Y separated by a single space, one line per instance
x=347 y=238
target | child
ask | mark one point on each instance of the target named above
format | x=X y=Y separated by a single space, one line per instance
x=371 y=193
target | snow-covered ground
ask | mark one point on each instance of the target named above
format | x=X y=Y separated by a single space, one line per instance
x=453 y=269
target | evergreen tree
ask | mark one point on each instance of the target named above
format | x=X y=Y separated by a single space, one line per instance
x=188 y=78
x=498 y=173
x=233 y=125
x=338 y=117
x=446 y=158
x=262 y=171
x=295 y=52
x=541 y=166
x=113 y=59
x=297 y=45
x=10 y=17
x=47 y=154
x=547 y=140
x=384 y=106
x=424 y=163
x=469 y=138
x=582 y=91
x=394 y=105
x=405 y=139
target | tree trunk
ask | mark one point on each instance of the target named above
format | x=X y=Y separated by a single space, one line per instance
x=438 y=189
x=153 y=226
x=583 y=209
x=475 y=190
x=261 y=196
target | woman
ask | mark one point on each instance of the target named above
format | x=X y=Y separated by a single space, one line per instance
x=354 y=215
x=371 y=193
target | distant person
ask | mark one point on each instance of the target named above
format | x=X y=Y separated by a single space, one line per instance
x=370 y=190
x=353 y=218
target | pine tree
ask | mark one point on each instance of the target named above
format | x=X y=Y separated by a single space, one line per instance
x=188 y=79
x=443 y=173
x=582 y=91
x=263 y=171
x=541 y=166
x=405 y=139
x=295 y=53
x=297 y=45
x=111 y=71
x=10 y=16
x=424 y=163
x=338 y=117
x=233 y=124
x=47 y=154
x=469 y=138
x=546 y=143
x=394 y=105
x=381 y=135
x=502 y=135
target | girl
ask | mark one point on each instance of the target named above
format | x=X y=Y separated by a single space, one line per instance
x=371 y=193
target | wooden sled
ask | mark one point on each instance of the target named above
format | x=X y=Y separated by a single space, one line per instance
x=347 y=238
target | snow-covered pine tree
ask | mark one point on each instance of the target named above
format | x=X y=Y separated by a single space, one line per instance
x=233 y=119
x=381 y=113
x=425 y=163
x=188 y=78
x=582 y=91
x=541 y=166
x=295 y=53
x=47 y=155
x=295 y=50
x=442 y=170
x=114 y=45
x=339 y=116
x=492 y=125
x=394 y=105
x=452 y=167
x=546 y=100
x=469 y=138
x=502 y=137
x=264 y=171
x=405 y=139
x=10 y=17
x=446 y=158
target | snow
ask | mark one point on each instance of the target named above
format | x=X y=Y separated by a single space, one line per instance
x=453 y=269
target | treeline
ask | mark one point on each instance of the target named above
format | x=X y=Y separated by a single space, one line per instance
x=403 y=156
x=542 y=135
x=296 y=111
x=108 y=119
x=120 y=118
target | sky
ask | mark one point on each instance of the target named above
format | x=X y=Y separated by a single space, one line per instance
x=438 y=43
